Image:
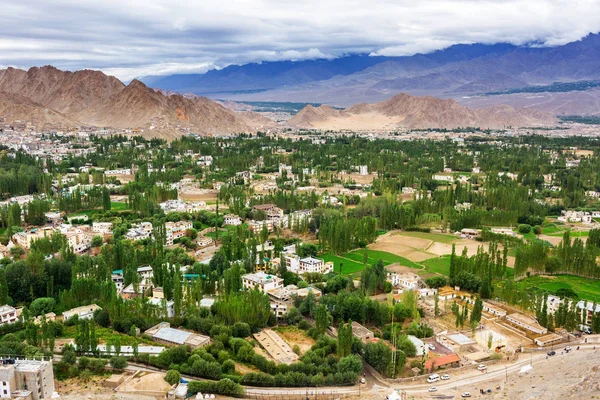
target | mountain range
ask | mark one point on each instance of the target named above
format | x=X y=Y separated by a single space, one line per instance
x=462 y=72
x=49 y=97
x=410 y=112
x=54 y=99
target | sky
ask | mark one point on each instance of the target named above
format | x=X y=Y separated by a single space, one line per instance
x=133 y=38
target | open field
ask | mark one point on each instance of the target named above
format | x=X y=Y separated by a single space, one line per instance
x=353 y=260
x=436 y=237
x=293 y=336
x=118 y=206
x=588 y=289
x=439 y=265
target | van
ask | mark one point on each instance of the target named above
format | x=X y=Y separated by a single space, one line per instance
x=433 y=378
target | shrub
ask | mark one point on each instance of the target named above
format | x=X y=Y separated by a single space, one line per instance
x=524 y=228
x=118 y=362
x=173 y=377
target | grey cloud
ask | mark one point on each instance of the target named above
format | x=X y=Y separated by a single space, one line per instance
x=133 y=37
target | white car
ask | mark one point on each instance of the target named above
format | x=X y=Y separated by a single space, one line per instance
x=363 y=380
x=431 y=347
x=465 y=394
x=481 y=367
x=568 y=348
x=445 y=377
x=433 y=389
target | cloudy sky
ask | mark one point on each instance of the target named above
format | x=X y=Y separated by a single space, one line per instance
x=129 y=38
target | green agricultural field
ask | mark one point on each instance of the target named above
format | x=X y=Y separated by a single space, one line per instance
x=588 y=289
x=349 y=267
x=436 y=237
x=439 y=265
x=118 y=206
x=573 y=234
x=353 y=260
x=549 y=229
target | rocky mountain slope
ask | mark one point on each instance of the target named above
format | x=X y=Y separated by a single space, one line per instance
x=50 y=97
x=406 y=111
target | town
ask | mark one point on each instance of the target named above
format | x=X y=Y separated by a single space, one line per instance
x=341 y=265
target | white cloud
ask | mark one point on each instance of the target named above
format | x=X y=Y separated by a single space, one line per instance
x=138 y=37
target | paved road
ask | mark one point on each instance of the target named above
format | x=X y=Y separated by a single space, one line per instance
x=493 y=371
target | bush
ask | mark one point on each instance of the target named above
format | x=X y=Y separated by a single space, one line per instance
x=225 y=387
x=436 y=282
x=173 y=377
x=524 y=229
x=118 y=362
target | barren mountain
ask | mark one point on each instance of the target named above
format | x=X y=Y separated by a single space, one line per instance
x=406 y=111
x=62 y=98
x=20 y=108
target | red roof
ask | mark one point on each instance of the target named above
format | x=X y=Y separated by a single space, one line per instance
x=441 y=361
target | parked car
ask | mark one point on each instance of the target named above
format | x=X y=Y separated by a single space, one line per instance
x=568 y=348
x=481 y=367
x=433 y=389
x=431 y=346
x=465 y=394
x=445 y=377
x=551 y=353
x=363 y=380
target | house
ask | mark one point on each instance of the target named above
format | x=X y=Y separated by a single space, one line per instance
x=8 y=315
x=176 y=230
x=300 y=266
x=363 y=170
x=204 y=241
x=262 y=281
x=421 y=347
x=83 y=312
x=271 y=211
x=167 y=306
x=410 y=281
x=587 y=310
x=450 y=360
x=146 y=272
x=549 y=339
x=491 y=309
x=232 y=219
x=257 y=226
x=527 y=323
x=503 y=231
x=361 y=332
x=103 y=228
x=443 y=178
x=468 y=233
x=140 y=231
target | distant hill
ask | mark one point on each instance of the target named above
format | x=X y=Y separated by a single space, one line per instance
x=406 y=111
x=50 y=97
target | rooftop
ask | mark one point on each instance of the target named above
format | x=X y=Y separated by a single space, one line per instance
x=441 y=361
x=172 y=335
x=460 y=339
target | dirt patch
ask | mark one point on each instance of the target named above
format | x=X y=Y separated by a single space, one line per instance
x=197 y=196
x=401 y=250
x=294 y=336
x=74 y=389
x=151 y=381
x=244 y=369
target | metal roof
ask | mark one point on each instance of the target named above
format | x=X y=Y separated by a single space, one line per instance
x=172 y=335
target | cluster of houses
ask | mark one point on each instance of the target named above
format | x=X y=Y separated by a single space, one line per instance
x=579 y=216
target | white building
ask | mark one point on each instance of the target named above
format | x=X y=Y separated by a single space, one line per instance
x=8 y=315
x=104 y=228
x=84 y=312
x=363 y=170
x=232 y=219
x=167 y=306
x=300 y=266
x=264 y=282
x=176 y=230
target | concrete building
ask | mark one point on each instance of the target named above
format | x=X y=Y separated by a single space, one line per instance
x=264 y=282
x=421 y=347
x=84 y=312
x=163 y=333
x=300 y=266
x=25 y=379
x=587 y=310
x=527 y=323
x=232 y=219
x=176 y=230
x=361 y=332
x=167 y=306
x=257 y=226
x=8 y=315
x=103 y=228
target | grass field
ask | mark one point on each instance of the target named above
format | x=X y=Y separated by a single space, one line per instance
x=588 y=289
x=549 y=229
x=573 y=234
x=439 y=265
x=436 y=237
x=353 y=260
x=118 y=206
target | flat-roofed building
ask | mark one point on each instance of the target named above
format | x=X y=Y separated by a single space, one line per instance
x=163 y=333
x=26 y=379
x=264 y=282
x=83 y=312
x=527 y=323
x=8 y=315
x=361 y=332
